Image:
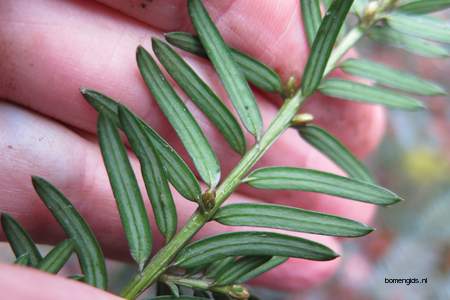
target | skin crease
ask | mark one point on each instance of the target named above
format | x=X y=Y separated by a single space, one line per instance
x=50 y=49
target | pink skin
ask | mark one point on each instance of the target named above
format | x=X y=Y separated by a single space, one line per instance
x=25 y=283
x=50 y=49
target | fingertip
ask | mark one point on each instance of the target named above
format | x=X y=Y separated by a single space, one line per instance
x=19 y=283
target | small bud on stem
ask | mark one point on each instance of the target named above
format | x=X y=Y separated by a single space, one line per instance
x=239 y=292
x=302 y=120
x=208 y=199
x=290 y=87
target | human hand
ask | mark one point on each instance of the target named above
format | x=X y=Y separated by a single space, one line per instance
x=50 y=49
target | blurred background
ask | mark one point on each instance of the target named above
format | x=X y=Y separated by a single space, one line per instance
x=412 y=239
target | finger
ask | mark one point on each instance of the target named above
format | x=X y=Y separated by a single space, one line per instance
x=242 y=23
x=21 y=283
x=271 y=31
x=166 y=15
x=34 y=145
